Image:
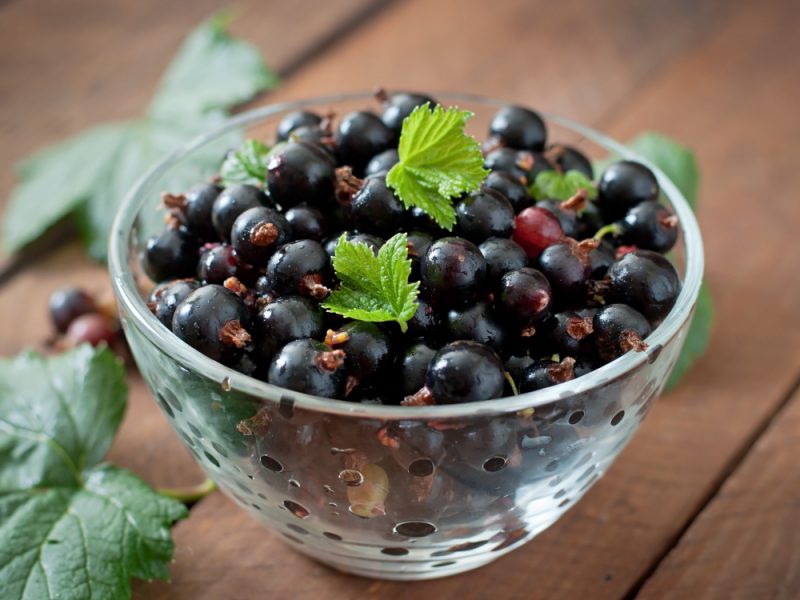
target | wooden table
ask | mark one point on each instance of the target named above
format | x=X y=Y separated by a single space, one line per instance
x=705 y=502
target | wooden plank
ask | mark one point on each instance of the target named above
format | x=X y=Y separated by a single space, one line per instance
x=603 y=546
x=745 y=543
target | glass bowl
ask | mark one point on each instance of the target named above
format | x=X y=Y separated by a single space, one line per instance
x=387 y=491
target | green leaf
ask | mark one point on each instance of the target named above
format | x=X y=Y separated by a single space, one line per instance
x=71 y=527
x=211 y=72
x=697 y=338
x=374 y=288
x=247 y=165
x=561 y=186
x=677 y=162
x=87 y=176
x=438 y=162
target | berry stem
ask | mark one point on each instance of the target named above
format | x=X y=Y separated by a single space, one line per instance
x=611 y=228
x=511 y=383
x=233 y=333
x=330 y=361
x=423 y=397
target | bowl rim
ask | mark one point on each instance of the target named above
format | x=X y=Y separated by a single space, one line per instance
x=133 y=305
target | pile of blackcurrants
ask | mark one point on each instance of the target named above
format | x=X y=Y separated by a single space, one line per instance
x=522 y=295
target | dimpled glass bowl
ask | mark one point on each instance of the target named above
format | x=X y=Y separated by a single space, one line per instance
x=388 y=491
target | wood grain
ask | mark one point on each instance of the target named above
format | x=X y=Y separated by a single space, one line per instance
x=746 y=543
x=629 y=520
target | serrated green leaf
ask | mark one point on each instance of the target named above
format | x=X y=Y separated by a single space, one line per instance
x=677 y=162
x=438 y=162
x=87 y=176
x=561 y=186
x=374 y=288
x=211 y=72
x=246 y=165
x=697 y=338
x=71 y=527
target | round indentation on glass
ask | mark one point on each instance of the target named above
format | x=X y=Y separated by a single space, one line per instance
x=551 y=466
x=271 y=464
x=618 y=417
x=328 y=490
x=163 y=404
x=446 y=563
x=560 y=494
x=351 y=477
x=332 y=536
x=555 y=481
x=172 y=400
x=494 y=464
x=291 y=538
x=297 y=529
x=195 y=431
x=256 y=506
x=563 y=503
x=415 y=528
x=576 y=417
x=211 y=458
x=294 y=483
x=226 y=384
x=586 y=473
x=584 y=459
x=422 y=467
x=394 y=551
x=220 y=450
x=591 y=480
x=332 y=504
x=186 y=438
x=301 y=512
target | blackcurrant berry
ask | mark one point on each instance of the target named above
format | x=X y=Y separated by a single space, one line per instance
x=649 y=226
x=214 y=321
x=300 y=267
x=368 y=352
x=381 y=163
x=284 y=320
x=600 y=259
x=546 y=373
x=622 y=186
x=570 y=332
x=257 y=232
x=618 y=329
x=397 y=106
x=307 y=223
x=414 y=367
x=516 y=365
x=360 y=136
x=525 y=297
x=164 y=299
x=426 y=323
x=217 y=263
x=375 y=208
x=301 y=173
x=535 y=229
x=197 y=210
x=67 y=305
x=484 y=214
x=310 y=367
x=170 y=255
x=452 y=272
x=567 y=158
x=502 y=255
x=567 y=266
x=646 y=281
x=232 y=202
x=465 y=371
x=479 y=323
x=519 y=128
x=295 y=120
x=516 y=193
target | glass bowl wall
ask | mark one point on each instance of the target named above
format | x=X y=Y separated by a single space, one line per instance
x=385 y=491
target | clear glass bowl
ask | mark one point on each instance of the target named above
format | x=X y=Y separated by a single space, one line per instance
x=387 y=491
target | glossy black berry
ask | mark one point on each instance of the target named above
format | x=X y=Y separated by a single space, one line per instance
x=381 y=163
x=399 y=105
x=570 y=332
x=375 y=208
x=546 y=373
x=368 y=352
x=502 y=255
x=172 y=254
x=479 y=323
x=514 y=191
x=465 y=371
x=307 y=223
x=300 y=267
x=524 y=297
x=217 y=263
x=571 y=224
x=284 y=320
x=418 y=243
x=645 y=280
x=214 y=321
x=600 y=259
x=567 y=267
x=231 y=203
x=649 y=226
x=67 y=305
x=414 y=367
x=484 y=214
x=310 y=367
x=301 y=173
x=416 y=218
x=197 y=209
x=295 y=120
x=567 y=158
x=507 y=161
x=360 y=136
x=426 y=323
x=257 y=232
x=622 y=186
x=453 y=272
x=516 y=364
x=519 y=128
x=618 y=329
x=164 y=299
